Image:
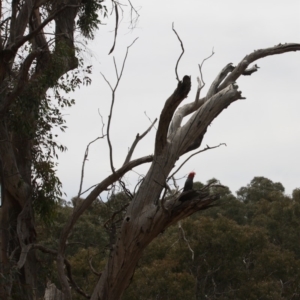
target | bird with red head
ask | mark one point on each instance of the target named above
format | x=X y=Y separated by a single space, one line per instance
x=189 y=182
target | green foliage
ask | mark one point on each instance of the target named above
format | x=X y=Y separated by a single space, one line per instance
x=90 y=242
x=296 y=195
x=49 y=115
x=236 y=253
x=259 y=187
x=88 y=20
x=235 y=250
x=33 y=116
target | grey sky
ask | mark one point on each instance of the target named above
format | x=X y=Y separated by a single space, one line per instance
x=262 y=133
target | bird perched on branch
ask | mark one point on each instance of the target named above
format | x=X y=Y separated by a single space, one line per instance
x=189 y=182
x=188 y=191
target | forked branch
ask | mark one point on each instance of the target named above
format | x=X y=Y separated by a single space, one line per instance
x=189 y=108
x=113 y=102
x=83 y=163
x=186 y=160
x=255 y=55
x=214 y=86
x=137 y=139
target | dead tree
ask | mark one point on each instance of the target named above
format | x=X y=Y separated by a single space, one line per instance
x=149 y=214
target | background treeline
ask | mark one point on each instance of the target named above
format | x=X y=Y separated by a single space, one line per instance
x=246 y=247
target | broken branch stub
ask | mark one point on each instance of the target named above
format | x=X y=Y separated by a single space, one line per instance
x=181 y=92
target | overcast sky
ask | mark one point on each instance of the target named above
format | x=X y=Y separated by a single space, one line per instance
x=262 y=133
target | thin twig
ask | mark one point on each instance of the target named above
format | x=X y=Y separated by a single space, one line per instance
x=133 y=21
x=138 y=183
x=201 y=65
x=112 y=106
x=125 y=189
x=83 y=163
x=175 y=183
x=181 y=52
x=185 y=239
x=111 y=219
x=68 y=268
x=149 y=119
x=199 y=88
x=116 y=69
x=89 y=189
x=106 y=81
x=103 y=125
x=7 y=19
x=116 y=27
x=137 y=139
x=203 y=150
x=98 y=274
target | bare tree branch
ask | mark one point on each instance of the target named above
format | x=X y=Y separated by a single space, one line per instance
x=107 y=81
x=133 y=21
x=125 y=189
x=200 y=151
x=68 y=268
x=184 y=111
x=144 y=218
x=255 y=55
x=83 y=163
x=102 y=130
x=111 y=219
x=175 y=183
x=44 y=249
x=201 y=66
x=116 y=68
x=190 y=107
x=112 y=105
x=93 y=269
x=116 y=27
x=18 y=43
x=91 y=197
x=91 y=187
x=149 y=119
x=181 y=44
x=137 y=139
x=199 y=88
x=166 y=115
x=214 y=86
x=198 y=123
x=138 y=183
x=186 y=240
x=250 y=70
x=73 y=283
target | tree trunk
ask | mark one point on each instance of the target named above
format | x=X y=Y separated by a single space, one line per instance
x=146 y=218
x=23 y=87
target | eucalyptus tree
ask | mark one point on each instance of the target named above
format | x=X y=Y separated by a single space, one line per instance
x=37 y=48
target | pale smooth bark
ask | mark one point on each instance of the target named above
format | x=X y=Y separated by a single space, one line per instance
x=145 y=217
